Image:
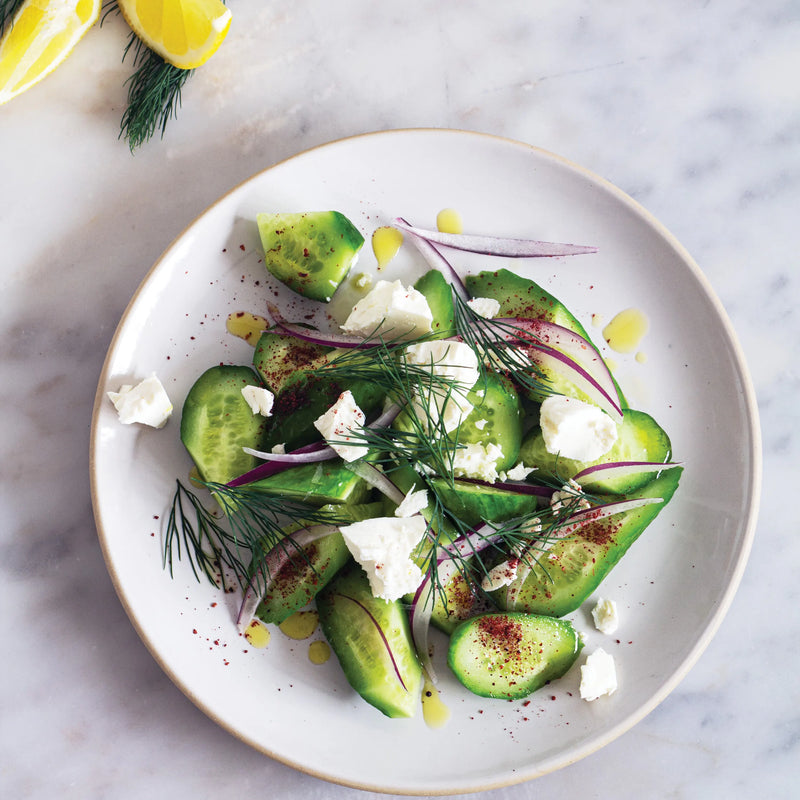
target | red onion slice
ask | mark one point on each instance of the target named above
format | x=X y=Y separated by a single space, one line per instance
x=568 y=342
x=324 y=453
x=621 y=469
x=274 y=561
x=435 y=259
x=377 y=479
x=328 y=339
x=275 y=464
x=494 y=245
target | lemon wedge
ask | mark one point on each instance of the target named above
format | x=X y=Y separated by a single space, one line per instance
x=185 y=33
x=40 y=37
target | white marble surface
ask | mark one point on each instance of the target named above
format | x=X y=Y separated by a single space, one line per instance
x=691 y=107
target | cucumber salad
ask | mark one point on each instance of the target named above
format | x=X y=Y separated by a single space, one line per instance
x=455 y=454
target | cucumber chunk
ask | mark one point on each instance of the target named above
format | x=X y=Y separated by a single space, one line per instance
x=305 y=574
x=521 y=297
x=639 y=438
x=496 y=417
x=278 y=357
x=372 y=640
x=576 y=565
x=439 y=295
x=511 y=655
x=320 y=484
x=312 y=252
x=474 y=503
x=217 y=423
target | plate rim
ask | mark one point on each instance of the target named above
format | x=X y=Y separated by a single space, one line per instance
x=748 y=527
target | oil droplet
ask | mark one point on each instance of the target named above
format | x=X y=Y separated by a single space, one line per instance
x=625 y=331
x=257 y=634
x=641 y=357
x=300 y=625
x=386 y=242
x=611 y=364
x=246 y=326
x=319 y=652
x=194 y=478
x=448 y=220
x=434 y=711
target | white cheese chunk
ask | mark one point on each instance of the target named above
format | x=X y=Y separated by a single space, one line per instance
x=457 y=364
x=383 y=546
x=390 y=310
x=574 y=429
x=412 y=503
x=520 y=472
x=259 y=399
x=146 y=403
x=500 y=575
x=605 y=616
x=477 y=461
x=598 y=675
x=484 y=306
x=337 y=424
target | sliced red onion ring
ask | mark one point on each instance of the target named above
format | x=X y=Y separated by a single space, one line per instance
x=494 y=245
x=328 y=339
x=323 y=453
x=377 y=479
x=621 y=469
x=274 y=561
x=517 y=487
x=278 y=464
x=568 y=342
x=435 y=259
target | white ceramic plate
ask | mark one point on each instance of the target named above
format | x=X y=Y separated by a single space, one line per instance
x=672 y=588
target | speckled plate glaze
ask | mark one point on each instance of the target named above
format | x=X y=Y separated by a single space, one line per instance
x=672 y=588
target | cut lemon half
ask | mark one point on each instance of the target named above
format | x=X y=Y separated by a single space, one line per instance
x=185 y=33
x=40 y=37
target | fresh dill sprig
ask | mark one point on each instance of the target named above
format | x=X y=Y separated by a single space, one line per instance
x=7 y=10
x=422 y=436
x=500 y=345
x=238 y=540
x=154 y=94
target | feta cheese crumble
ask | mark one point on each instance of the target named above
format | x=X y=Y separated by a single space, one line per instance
x=457 y=364
x=484 y=306
x=383 y=546
x=259 y=399
x=477 y=461
x=501 y=575
x=520 y=472
x=390 y=308
x=412 y=503
x=605 y=616
x=574 y=429
x=598 y=675
x=146 y=403
x=338 y=422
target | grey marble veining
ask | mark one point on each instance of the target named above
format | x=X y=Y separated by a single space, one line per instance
x=691 y=107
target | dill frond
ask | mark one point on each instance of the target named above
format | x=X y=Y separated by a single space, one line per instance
x=251 y=524
x=154 y=94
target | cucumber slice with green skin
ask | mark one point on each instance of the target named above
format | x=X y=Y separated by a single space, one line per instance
x=576 y=565
x=372 y=640
x=511 y=655
x=439 y=295
x=278 y=357
x=639 y=438
x=496 y=417
x=322 y=483
x=475 y=503
x=312 y=252
x=521 y=297
x=304 y=575
x=460 y=603
x=217 y=423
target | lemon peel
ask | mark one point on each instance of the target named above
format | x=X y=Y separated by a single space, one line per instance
x=42 y=34
x=185 y=33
